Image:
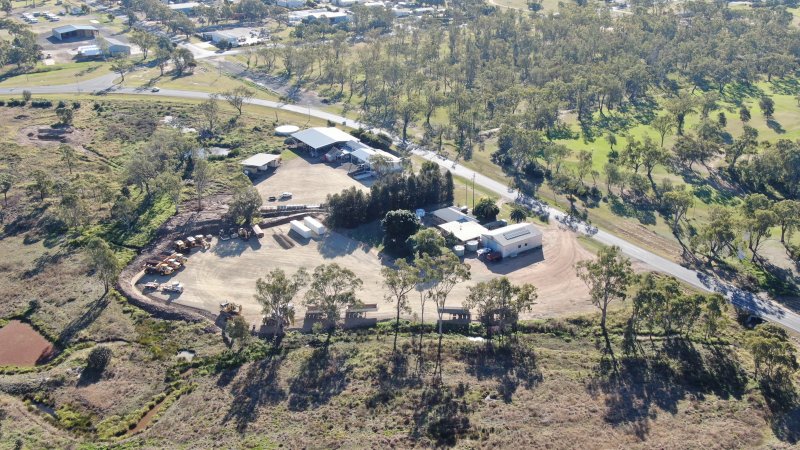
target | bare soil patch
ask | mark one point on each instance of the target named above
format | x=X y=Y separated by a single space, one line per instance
x=23 y=346
x=309 y=181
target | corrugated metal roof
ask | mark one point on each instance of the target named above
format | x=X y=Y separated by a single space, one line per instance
x=68 y=28
x=513 y=233
x=320 y=137
x=260 y=159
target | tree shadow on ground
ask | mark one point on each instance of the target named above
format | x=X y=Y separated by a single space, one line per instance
x=257 y=387
x=42 y=262
x=87 y=318
x=785 y=86
x=89 y=376
x=624 y=208
x=642 y=385
x=393 y=378
x=717 y=372
x=736 y=93
x=512 y=364
x=784 y=406
x=442 y=415
x=322 y=376
x=775 y=126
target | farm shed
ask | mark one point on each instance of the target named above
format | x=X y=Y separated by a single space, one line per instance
x=452 y=214
x=116 y=48
x=513 y=239
x=464 y=230
x=260 y=162
x=323 y=138
x=291 y=3
x=68 y=32
x=186 y=8
x=364 y=154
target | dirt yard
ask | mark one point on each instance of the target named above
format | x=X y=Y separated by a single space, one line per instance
x=309 y=181
x=227 y=272
x=23 y=346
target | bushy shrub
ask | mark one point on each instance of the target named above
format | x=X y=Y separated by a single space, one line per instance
x=98 y=359
x=41 y=104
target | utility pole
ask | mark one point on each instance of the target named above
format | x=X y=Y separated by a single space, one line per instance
x=473 y=190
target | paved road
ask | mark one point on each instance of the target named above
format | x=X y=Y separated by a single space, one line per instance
x=761 y=306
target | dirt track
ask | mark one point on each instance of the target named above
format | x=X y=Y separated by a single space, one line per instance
x=229 y=269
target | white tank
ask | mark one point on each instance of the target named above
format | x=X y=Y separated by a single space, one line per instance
x=472 y=246
x=458 y=250
x=286 y=130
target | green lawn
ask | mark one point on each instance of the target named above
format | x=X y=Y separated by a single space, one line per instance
x=206 y=78
x=58 y=74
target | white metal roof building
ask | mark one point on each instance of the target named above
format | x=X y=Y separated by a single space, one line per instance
x=75 y=31
x=364 y=154
x=322 y=137
x=260 y=162
x=310 y=15
x=513 y=239
x=464 y=231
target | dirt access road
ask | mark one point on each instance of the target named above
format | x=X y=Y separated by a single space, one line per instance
x=228 y=271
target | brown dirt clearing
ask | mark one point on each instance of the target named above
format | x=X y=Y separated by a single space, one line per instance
x=23 y=346
x=228 y=271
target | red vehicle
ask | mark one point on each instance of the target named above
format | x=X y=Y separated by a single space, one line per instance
x=494 y=256
x=489 y=255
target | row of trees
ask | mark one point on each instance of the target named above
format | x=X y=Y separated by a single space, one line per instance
x=727 y=230
x=660 y=306
x=353 y=207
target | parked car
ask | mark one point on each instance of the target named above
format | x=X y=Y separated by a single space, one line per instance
x=285 y=195
x=489 y=255
x=272 y=198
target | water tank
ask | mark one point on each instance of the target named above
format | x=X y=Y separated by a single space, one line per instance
x=458 y=250
x=286 y=130
x=472 y=246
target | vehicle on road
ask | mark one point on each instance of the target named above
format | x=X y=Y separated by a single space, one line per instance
x=155 y=89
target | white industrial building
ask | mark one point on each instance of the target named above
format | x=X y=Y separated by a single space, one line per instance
x=323 y=138
x=70 y=32
x=513 y=239
x=464 y=231
x=361 y=153
x=310 y=15
x=185 y=8
x=260 y=162
x=236 y=37
x=291 y=3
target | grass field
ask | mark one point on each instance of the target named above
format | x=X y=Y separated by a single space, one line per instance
x=59 y=74
x=206 y=78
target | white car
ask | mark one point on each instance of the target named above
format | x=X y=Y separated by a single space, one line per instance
x=155 y=89
x=285 y=195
